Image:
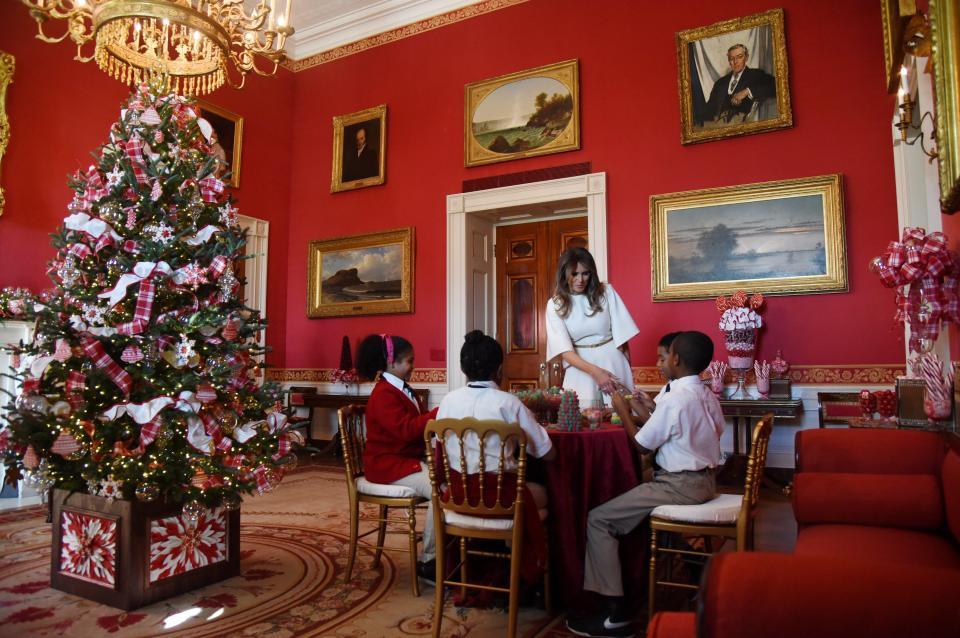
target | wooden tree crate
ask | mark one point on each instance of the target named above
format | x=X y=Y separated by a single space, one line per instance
x=128 y=554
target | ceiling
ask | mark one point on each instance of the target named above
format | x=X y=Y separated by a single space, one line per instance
x=322 y=25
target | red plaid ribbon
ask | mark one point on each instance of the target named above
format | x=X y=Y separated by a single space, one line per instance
x=30 y=386
x=219 y=266
x=913 y=234
x=234 y=460
x=76 y=382
x=165 y=341
x=895 y=254
x=206 y=393
x=104 y=240
x=260 y=475
x=210 y=189
x=131 y=247
x=95 y=189
x=149 y=431
x=134 y=151
x=141 y=316
x=80 y=251
x=212 y=428
x=94 y=350
x=934 y=244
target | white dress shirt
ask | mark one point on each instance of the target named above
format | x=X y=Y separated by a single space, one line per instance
x=685 y=428
x=401 y=385
x=484 y=400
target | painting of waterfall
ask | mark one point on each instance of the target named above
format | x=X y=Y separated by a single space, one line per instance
x=523 y=114
x=771 y=237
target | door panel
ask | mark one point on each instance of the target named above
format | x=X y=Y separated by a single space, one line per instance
x=480 y=264
x=526 y=257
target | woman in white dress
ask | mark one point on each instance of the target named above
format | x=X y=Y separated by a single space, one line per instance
x=588 y=326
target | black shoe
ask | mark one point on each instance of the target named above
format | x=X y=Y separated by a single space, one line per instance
x=427 y=570
x=601 y=626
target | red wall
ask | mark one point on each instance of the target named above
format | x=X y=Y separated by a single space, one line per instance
x=60 y=111
x=631 y=130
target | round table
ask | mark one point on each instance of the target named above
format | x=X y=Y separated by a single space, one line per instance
x=591 y=467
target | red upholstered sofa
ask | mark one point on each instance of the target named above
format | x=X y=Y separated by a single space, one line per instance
x=877 y=554
x=755 y=594
x=886 y=495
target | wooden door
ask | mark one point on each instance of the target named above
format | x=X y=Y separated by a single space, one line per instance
x=527 y=256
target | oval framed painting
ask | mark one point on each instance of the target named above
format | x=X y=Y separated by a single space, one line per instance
x=522 y=114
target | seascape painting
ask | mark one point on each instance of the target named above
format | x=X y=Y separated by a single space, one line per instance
x=784 y=237
x=522 y=114
x=369 y=274
x=362 y=275
x=749 y=240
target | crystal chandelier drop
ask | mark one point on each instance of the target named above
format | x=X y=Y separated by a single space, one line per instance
x=192 y=44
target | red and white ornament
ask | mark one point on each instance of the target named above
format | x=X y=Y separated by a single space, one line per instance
x=131 y=354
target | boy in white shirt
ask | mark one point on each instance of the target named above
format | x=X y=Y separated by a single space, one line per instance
x=684 y=430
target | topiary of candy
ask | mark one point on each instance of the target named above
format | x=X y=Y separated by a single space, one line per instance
x=739 y=324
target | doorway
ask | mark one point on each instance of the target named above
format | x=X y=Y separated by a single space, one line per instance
x=526 y=262
x=471 y=266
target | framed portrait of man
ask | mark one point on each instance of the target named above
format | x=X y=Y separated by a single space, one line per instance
x=225 y=136
x=733 y=78
x=359 y=149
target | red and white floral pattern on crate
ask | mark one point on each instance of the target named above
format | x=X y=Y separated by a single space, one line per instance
x=178 y=546
x=88 y=547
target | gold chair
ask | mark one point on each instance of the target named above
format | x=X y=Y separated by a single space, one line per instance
x=465 y=521
x=726 y=516
x=360 y=490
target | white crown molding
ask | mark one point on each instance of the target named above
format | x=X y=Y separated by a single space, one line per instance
x=363 y=23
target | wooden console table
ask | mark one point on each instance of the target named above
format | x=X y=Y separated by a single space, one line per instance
x=308 y=397
x=735 y=469
x=749 y=409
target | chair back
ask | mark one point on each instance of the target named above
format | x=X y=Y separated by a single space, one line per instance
x=353 y=439
x=453 y=436
x=756 y=462
x=838 y=408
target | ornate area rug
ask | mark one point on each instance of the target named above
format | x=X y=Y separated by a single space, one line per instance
x=293 y=560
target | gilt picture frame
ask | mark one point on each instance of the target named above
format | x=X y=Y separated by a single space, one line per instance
x=945 y=34
x=368 y=274
x=523 y=114
x=228 y=145
x=733 y=78
x=359 y=149
x=785 y=237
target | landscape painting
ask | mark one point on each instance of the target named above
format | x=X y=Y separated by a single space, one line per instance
x=777 y=237
x=522 y=114
x=361 y=274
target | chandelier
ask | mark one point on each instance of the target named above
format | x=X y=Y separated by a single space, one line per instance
x=190 y=44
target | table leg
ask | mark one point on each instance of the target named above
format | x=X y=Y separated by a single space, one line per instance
x=736 y=436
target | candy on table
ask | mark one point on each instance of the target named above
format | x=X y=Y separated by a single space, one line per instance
x=615 y=419
x=568 y=415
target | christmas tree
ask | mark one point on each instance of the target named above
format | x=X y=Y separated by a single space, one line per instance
x=139 y=380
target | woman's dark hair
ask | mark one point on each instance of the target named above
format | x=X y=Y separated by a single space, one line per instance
x=569 y=260
x=372 y=354
x=480 y=356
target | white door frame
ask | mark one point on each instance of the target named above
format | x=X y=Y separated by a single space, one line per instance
x=593 y=187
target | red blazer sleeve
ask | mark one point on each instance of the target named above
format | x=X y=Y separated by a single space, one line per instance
x=401 y=421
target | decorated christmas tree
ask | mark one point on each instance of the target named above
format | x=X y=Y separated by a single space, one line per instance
x=139 y=381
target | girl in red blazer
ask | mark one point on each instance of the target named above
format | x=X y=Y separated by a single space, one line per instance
x=395 y=422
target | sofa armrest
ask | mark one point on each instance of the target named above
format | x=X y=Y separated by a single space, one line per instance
x=909 y=501
x=869 y=451
x=748 y=594
x=672 y=624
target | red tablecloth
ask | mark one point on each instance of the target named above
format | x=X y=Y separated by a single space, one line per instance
x=591 y=468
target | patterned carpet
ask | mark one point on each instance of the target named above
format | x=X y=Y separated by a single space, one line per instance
x=293 y=558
